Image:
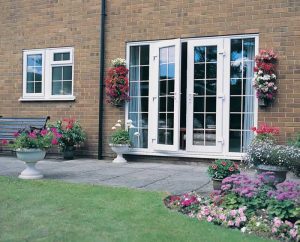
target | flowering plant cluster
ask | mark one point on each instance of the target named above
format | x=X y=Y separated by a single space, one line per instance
x=264 y=75
x=120 y=136
x=222 y=168
x=266 y=152
x=71 y=133
x=265 y=132
x=117 y=85
x=252 y=205
x=34 y=139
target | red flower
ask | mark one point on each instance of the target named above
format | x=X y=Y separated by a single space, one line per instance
x=236 y=166
x=4 y=142
x=54 y=141
x=224 y=163
x=44 y=132
x=215 y=167
x=231 y=168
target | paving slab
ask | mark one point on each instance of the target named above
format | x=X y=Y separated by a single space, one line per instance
x=171 y=178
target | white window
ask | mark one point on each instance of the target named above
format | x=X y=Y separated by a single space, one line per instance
x=192 y=97
x=48 y=74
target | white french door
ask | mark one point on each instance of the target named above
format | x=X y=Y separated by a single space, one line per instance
x=204 y=131
x=165 y=103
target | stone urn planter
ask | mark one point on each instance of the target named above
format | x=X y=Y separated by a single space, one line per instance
x=68 y=153
x=30 y=158
x=119 y=149
x=217 y=183
x=277 y=171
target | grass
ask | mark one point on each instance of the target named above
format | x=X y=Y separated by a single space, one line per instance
x=57 y=211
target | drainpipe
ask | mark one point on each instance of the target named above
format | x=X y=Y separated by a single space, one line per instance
x=101 y=80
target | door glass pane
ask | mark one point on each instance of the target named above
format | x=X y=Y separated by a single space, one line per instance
x=139 y=95
x=205 y=99
x=241 y=94
x=166 y=96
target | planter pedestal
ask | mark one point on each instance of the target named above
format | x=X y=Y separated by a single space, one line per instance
x=119 y=150
x=30 y=158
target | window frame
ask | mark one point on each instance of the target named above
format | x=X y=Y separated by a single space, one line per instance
x=48 y=63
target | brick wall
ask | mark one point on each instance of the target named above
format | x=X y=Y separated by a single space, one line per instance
x=277 y=23
x=55 y=23
x=52 y=23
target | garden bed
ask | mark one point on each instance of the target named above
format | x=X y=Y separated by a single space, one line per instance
x=251 y=205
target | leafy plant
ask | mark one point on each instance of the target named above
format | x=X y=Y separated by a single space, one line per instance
x=222 y=168
x=120 y=136
x=282 y=209
x=71 y=132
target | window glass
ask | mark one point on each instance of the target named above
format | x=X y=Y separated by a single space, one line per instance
x=241 y=94
x=139 y=94
x=34 y=75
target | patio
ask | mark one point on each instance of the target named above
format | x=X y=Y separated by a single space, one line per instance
x=173 y=178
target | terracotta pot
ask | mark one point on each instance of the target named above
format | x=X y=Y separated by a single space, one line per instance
x=68 y=153
x=217 y=183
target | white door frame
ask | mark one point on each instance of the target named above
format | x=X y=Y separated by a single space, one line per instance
x=154 y=88
x=219 y=96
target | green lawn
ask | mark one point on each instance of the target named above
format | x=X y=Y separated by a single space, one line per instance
x=57 y=211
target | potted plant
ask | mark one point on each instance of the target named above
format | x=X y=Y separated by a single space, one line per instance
x=268 y=157
x=265 y=77
x=221 y=169
x=120 y=140
x=31 y=146
x=72 y=135
x=295 y=142
x=116 y=83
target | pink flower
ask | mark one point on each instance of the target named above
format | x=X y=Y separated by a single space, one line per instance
x=16 y=134
x=233 y=213
x=288 y=223
x=222 y=217
x=32 y=135
x=243 y=218
x=4 y=142
x=277 y=222
x=199 y=216
x=230 y=223
x=293 y=233
x=274 y=230
x=44 y=132
x=54 y=141
x=209 y=219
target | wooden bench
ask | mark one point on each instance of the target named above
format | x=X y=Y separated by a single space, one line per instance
x=9 y=126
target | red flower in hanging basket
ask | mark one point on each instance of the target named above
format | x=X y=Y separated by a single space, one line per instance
x=117 y=84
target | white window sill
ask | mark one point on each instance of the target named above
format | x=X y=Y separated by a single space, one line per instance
x=41 y=99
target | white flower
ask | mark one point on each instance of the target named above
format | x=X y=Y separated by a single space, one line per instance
x=118 y=125
x=136 y=134
x=257 y=224
x=119 y=121
x=243 y=230
x=113 y=128
x=260 y=72
x=118 y=62
x=131 y=126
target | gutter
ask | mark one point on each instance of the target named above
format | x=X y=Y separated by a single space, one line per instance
x=101 y=79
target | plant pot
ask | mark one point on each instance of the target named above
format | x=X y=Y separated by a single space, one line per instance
x=217 y=183
x=68 y=153
x=30 y=158
x=119 y=149
x=262 y=102
x=278 y=172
